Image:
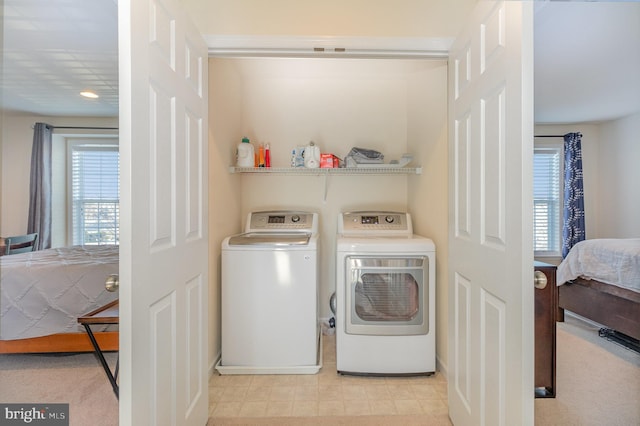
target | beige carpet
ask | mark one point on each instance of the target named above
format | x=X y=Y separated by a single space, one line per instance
x=76 y=379
x=598 y=382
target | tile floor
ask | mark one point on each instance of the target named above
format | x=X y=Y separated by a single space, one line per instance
x=598 y=383
x=326 y=394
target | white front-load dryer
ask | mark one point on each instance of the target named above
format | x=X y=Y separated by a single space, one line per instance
x=385 y=296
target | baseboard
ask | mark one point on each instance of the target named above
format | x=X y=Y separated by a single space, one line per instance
x=324 y=324
x=582 y=319
x=441 y=367
x=212 y=367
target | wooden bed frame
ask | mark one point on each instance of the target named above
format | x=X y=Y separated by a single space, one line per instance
x=63 y=342
x=612 y=306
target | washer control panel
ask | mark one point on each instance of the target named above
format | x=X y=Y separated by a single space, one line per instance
x=375 y=223
x=270 y=221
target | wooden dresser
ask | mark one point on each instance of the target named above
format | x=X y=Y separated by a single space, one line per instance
x=546 y=300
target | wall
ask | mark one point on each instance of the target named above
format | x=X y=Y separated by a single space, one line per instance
x=387 y=18
x=393 y=106
x=428 y=193
x=225 y=217
x=619 y=197
x=610 y=153
x=590 y=146
x=17 y=138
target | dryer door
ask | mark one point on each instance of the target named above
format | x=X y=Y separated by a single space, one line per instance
x=387 y=295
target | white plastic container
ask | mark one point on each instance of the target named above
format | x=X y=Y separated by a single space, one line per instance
x=312 y=156
x=245 y=154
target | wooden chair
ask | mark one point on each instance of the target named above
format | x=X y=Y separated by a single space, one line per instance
x=21 y=243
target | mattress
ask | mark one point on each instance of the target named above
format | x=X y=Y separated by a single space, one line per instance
x=44 y=292
x=611 y=261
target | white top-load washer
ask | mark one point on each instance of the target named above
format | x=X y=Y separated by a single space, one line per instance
x=270 y=296
x=385 y=295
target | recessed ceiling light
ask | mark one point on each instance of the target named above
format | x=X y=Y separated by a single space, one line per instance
x=89 y=94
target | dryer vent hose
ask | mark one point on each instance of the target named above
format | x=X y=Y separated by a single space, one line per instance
x=332 y=303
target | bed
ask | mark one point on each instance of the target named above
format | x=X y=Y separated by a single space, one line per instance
x=42 y=294
x=600 y=280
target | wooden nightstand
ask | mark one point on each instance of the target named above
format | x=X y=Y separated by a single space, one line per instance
x=546 y=307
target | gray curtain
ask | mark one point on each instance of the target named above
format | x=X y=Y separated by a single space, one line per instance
x=40 y=187
x=573 y=229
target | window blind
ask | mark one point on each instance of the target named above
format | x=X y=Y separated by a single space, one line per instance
x=95 y=183
x=547 y=205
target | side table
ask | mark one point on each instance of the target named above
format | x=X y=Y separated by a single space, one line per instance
x=107 y=314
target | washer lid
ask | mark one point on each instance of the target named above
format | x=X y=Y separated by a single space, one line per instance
x=270 y=239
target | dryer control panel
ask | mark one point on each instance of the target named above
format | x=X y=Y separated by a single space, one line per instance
x=375 y=223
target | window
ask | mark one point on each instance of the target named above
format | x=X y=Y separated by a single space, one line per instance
x=547 y=200
x=95 y=193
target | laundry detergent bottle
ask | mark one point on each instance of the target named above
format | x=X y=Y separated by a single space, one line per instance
x=312 y=156
x=245 y=154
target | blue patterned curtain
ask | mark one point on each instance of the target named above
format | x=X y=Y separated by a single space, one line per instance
x=40 y=187
x=573 y=229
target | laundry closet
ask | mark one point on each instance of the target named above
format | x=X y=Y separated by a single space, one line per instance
x=394 y=105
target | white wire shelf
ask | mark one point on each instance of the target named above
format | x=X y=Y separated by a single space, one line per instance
x=368 y=170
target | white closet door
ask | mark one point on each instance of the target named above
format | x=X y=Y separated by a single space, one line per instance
x=164 y=249
x=491 y=341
